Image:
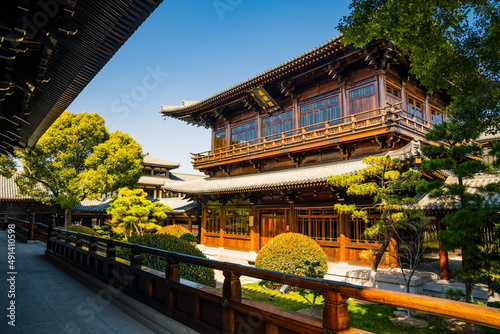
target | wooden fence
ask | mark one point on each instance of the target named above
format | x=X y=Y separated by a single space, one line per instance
x=209 y=310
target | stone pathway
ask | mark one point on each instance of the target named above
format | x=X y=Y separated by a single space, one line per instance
x=47 y=300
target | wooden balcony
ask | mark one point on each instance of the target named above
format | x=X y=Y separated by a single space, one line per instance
x=366 y=124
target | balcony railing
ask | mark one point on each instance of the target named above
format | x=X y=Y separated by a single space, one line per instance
x=209 y=310
x=356 y=123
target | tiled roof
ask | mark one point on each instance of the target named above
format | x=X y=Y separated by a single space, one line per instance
x=152 y=160
x=488 y=136
x=186 y=177
x=428 y=203
x=8 y=190
x=151 y=180
x=92 y=205
x=283 y=178
x=170 y=110
x=178 y=205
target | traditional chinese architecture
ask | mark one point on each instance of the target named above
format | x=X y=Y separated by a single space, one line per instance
x=91 y=212
x=276 y=137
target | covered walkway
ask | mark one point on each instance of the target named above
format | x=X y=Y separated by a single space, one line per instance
x=47 y=300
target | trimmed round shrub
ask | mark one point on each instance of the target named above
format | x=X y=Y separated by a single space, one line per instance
x=189 y=237
x=292 y=253
x=83 y=229
x=170 y=243
x=175 y=230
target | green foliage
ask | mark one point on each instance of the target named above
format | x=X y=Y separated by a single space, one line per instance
x=464 y=227
x=77 y=158
x=314 y=271
x=132 y=213
x=175 y=230
x=391 y=190
x=171 y=243
x=83 y=229
x=451 y=45
x=189 y=237
x=103 y=231
x=292 y=253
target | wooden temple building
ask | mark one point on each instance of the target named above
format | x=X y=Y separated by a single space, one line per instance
x=277 y=136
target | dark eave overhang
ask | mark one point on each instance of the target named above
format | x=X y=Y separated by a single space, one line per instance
x=47 y=63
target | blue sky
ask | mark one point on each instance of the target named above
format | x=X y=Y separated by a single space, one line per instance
x=190 y=50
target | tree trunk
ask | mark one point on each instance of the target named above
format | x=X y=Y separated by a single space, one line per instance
x=67 y=217
x=378 y=259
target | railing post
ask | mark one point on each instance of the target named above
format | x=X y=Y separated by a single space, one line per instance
x=79 y=241
x=136 y=260
x=335 y=313
x=231 y=289
x=110 y=251
x=31 y=234
x=172 y=273
x=92 y=245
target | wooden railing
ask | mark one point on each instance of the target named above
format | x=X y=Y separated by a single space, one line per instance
x=209 y=310
x=366 y=120
x=23 y=229
x=26 y=230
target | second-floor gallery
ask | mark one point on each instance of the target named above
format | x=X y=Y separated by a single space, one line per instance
x=277 y=136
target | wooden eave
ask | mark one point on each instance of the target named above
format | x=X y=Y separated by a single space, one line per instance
x=43 y=72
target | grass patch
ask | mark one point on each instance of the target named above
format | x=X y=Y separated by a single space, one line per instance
x=373 y=318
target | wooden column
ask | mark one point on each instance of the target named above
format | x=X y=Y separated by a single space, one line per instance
x=444 y=270
x=203 y=225
x=343 y=238
x=222 y=226
x=31 y=233
x=231 y=289
x=335 y=313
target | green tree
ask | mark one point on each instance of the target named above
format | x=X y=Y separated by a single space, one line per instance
x=465 y=227
x=451 y=45
x=77 y=158
x=391 y=190
x=132 y=213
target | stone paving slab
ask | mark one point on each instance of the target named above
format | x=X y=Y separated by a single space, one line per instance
x=47 y=300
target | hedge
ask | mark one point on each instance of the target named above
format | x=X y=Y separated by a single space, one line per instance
x=171 y=243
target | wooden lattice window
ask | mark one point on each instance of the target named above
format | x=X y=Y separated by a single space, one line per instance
x=357 y=227
x=415 y=107
x=362 y=99
x=276 y=124
x=319 y=224
x=393 y=94
x=238 y=222
x=213 y=221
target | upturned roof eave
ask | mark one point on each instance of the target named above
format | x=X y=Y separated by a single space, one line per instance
x=242 y=87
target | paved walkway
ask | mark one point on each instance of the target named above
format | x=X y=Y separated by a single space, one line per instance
x=47 y=300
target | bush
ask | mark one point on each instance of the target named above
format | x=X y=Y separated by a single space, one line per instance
x=292 y=253
x=82 y=229
x=171 y=243
x=175 y=230
x=189 y=237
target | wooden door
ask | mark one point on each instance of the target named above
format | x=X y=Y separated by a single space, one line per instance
x=272 y=223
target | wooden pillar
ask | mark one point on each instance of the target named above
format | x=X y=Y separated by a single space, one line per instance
x=31 y=233
x=444 y=270
x=231 y=289
x=393 y=254
x=251 y=223
x=222 y=226
x=343 y=238
x=335 y=313
x=203 y=225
